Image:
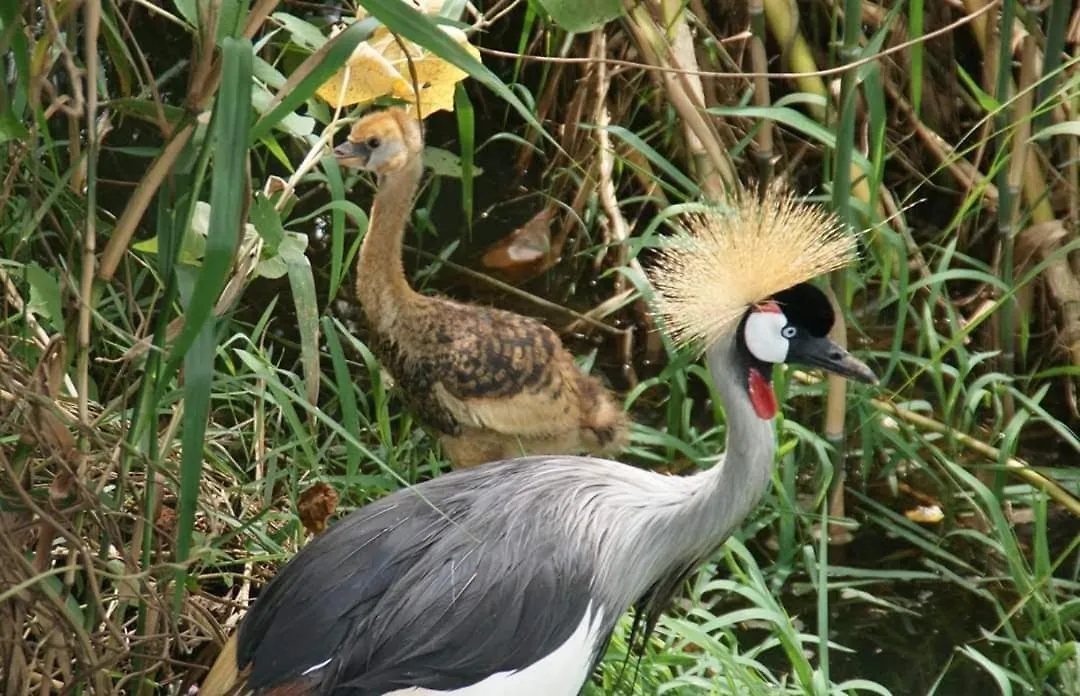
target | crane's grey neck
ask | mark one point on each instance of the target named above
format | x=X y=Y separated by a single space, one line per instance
x=751 y=443
x=688 y=518
x=729 y=490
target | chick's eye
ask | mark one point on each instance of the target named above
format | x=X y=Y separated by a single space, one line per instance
x=373 y=142
x=788 y=332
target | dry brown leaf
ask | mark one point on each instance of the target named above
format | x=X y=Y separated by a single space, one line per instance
x=526 y=251
x=379 y=67
x=315 y=506
x=925 y=514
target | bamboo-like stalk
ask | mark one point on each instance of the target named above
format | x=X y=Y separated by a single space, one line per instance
x=1034 y=182
x=760 y=64
x=783 y=19
x=1056 y=22
x=1008 y=181
x=92 y=26
x=712 y=174
x=783 y=23
x=835 y=408
x=656 y=50
x=1033 y=192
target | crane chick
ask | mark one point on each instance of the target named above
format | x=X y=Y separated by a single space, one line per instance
x=509 y=578
x=492 y=384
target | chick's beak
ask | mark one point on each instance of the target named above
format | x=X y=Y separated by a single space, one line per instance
x=352 y=154
x=824 y=353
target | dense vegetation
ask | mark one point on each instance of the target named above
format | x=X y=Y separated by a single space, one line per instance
x=185 y=398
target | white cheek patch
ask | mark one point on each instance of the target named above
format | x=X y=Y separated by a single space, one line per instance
x=763 y=338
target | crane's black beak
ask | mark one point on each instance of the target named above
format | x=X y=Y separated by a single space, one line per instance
x=350 y=154
x=824 y=353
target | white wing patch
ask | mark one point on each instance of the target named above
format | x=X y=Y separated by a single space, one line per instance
x=763 y=337
x=562 y=672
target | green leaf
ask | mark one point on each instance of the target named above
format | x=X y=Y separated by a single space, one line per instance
x=986 y=101
x=188 y=11
x=350 y=414
x=466 y=119
x=195 y=345
x=337 y=222
x=267 y=223
x=303 y=33
x=267 y=73
x=231 y=125
x=294 y=124
x=198 y=376
x=576 y=16
x=1063 y=128
x=272 y=268
x=191 y=251
x=11 y=128
x=445 y=163
x=44 y=293
x=307 y=310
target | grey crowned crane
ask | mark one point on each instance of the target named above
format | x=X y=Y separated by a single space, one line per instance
x=509 y=578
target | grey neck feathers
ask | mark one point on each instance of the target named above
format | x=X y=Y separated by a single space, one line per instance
x=381 y=284
x=687 y=518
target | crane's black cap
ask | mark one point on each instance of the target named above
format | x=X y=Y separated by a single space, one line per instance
x=808 y=307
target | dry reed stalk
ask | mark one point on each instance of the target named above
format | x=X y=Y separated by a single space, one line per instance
x=760 y=64
x=658 y=51
x=783 y=21
x=966 y=173
x=1059 y=276
x=713 y=174
x=91 y=31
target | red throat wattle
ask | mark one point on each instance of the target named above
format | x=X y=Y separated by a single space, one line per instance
x=762 y=395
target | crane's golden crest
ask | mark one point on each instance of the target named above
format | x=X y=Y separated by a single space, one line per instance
x=705 y=279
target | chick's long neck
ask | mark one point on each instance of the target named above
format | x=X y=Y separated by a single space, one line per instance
x=381 y=284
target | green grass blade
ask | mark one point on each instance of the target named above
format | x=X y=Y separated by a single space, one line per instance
x=350 y=413
x=916 y=19
x=466 y=122
x=337 y=224
x=198 y=376
x=232 y=123
x=302 y=284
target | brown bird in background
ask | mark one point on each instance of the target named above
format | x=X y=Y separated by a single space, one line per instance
x=492 y=384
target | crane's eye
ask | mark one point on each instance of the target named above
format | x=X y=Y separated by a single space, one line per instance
x=788 y=332
x=373 y=142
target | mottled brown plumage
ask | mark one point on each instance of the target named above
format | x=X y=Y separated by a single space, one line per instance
x=492 y=384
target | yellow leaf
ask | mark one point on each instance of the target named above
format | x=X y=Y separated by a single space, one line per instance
x=379 y=67
x=369 y=76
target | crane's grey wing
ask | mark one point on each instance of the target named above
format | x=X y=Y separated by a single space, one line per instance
x=399 y=594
